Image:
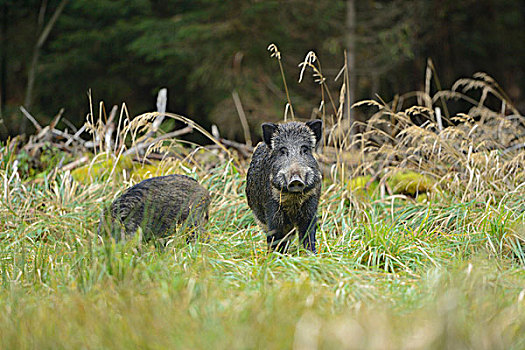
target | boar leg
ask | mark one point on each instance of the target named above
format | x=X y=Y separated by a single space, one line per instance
x=278 y=240
x=278 y=236
x=307 y=233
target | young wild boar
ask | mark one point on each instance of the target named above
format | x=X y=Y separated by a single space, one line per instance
x=157 y=205
x=284 y=183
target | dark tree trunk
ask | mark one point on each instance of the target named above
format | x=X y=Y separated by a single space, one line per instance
x=350 y=47
x=42 y=37
x=350 y=59
x=3 y=60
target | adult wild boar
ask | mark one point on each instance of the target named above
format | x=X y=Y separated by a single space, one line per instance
x=284 y=183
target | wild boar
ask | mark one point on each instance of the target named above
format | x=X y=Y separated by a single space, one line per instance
x=157 y=205
x=283 y=183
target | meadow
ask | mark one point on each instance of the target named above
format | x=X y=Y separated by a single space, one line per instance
x=421 y=241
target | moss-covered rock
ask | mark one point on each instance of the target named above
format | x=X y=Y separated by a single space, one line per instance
x=411 y=183
x=101 y=168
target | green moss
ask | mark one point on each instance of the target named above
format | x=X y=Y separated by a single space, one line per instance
x=411 y=183
x=422 y=198
x=147 y=171
x=362 y=185
x=101 y=169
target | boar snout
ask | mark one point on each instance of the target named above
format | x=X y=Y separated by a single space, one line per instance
x=296 y=184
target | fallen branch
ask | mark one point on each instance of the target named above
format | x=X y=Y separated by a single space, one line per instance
x=110 y=127
x=242 y=117
x=75 y=164
x=44 y=134
x=513 y=148
x=76 y=136
x=242 y=148
x=147 y=144
x=70 y=138
x=31 y=119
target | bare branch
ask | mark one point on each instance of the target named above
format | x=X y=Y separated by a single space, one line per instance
x=47 y=29
x=31 y=119
x=75 y=164
x=242 y=117
x=145 y=144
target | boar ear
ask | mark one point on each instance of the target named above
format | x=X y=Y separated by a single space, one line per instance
x=316 y=126
x=268 y=131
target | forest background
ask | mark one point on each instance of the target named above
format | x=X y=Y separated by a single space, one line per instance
x=53 y=52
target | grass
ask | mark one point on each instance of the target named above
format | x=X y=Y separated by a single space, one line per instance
x=398 y=274
x=392 y=271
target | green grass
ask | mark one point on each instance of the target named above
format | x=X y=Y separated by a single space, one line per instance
x=390 y=273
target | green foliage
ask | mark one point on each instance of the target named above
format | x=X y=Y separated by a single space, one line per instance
x=41 y=163
x=8 y=154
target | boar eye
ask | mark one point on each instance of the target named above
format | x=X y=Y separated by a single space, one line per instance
x=305 y=149
x=283 y=151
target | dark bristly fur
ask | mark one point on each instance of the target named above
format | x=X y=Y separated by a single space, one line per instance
x=157 y=205
x=284 y=183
